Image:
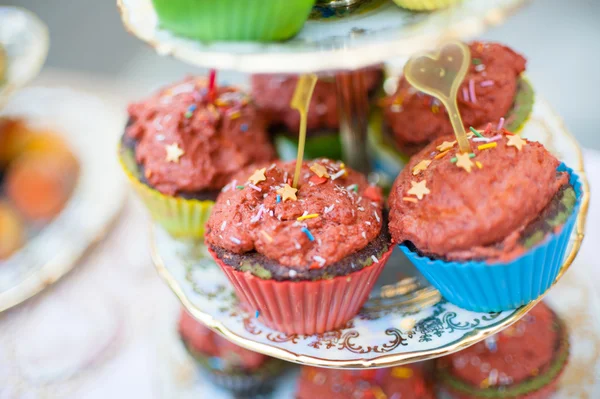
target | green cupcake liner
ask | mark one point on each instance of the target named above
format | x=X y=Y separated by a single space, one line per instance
x=240 y=20
x=388 y=161
x=325 y=145
x=425 y=5
x=181 y=217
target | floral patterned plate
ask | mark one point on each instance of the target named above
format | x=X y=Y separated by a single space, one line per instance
x=573 y=298
x=371 y=33
x=405 y=320
x=24 y=44
x=91 y=128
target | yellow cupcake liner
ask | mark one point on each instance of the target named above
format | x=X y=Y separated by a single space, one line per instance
x=425 y=5
x=181 y=217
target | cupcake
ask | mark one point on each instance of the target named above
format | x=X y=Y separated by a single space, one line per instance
x=488 y=229
x=524 y=361
x=406 y=382
x=183 y=144
x=493 y=90
x=230 y=366
x=265 y=20
x=272 y=95
x=12 y=231
x=425 y=5
x=303 y=259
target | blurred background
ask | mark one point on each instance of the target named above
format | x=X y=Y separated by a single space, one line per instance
x=558 y=37
x=89 y=335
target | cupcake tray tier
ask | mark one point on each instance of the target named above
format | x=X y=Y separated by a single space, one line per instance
x=332 y=39
x=83 y=121
x=405 y=320
x=573 y=298
x=24 y=41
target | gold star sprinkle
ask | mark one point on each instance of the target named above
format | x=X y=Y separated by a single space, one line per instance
x=319 y=170
x=419 y=189
x=420 y=166
x=173 y=152
x=258 y=176
x=464 y=161
x=516 y=141
x=287 y=192
x=445 y=146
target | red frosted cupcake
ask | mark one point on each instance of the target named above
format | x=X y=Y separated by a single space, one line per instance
x=305 y=259
x=183 y=144
x=524 y=361
x=403 y=382
x=492 y=89
x=272 y=95
x=230 y=366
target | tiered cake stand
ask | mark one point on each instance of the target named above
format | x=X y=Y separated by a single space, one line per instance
x=405 y=320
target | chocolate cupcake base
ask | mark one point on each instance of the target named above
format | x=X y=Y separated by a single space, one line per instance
x=250 y=383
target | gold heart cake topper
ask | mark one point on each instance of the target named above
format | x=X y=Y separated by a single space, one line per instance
x=301 y=101
x=440 y=74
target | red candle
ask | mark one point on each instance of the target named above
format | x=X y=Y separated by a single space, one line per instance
x=212 y=86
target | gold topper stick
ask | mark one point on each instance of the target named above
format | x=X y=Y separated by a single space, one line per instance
x=300 y=101
x=440 y=74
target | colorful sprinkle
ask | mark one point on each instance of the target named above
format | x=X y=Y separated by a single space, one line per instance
x=287 y=193
x=480 y=68
x=435 y=109
x=409 y=199
x=441 y=154
x=308 y=233
x=235 y=240
x=278 y=198
x=479 y=164
x=419 y=189
x=235 y=115
x=472 y=90
x=475 y=132
x=173 y=152
x=254 y=187
x=500 y=124
x=374 y=258
x=338 y=174
x=421 y=166
x=309 y=216
x=319 y=170
x=516 y=141
x=455 y=159
x=487 y=146
x=446 y=145
x=244 y=127
x=239 y=187
x=465 y=94
x=495 y=138
x=464 y=161
x=476 y=61
x=256 y=314
x=487 y=83
x=258 y=176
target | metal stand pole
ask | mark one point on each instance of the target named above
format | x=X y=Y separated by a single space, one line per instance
x=353 y=108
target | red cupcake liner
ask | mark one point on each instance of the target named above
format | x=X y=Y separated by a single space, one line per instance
x=305 y=307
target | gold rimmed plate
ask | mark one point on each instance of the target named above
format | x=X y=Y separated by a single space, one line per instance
x=329 y=41
x=574 y=299
x=90 y=128
x=24 y=44
x=402 y=322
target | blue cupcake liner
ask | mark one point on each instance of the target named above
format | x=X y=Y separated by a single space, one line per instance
x=494 y=287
